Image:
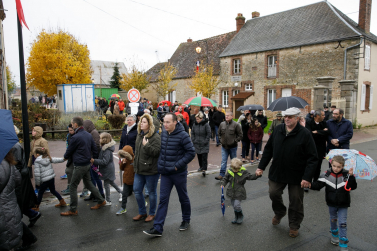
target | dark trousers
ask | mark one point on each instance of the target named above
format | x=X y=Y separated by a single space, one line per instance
x=255 y=147
x=96 y=181
x=317 y=171
x=127 y=191
x=296 y=202
x=203 y=160
x=178 y=180
x=245 y=148
x=27 y=236
x=50 y=184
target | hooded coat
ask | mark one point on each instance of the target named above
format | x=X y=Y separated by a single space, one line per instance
x=90 y=128
x=236 y=189
x=185 y=115
x=116 y=109
x=10 y=213
x=177 y=151
x=200 y=136
x=128 y=167
x=121 y=106
x=37 y=142
x=105 y=161
x=255 y=136
x=262 y=119
x=147 y=155
x=43 y=170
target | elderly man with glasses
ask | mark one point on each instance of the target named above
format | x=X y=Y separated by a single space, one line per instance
x=294 y=158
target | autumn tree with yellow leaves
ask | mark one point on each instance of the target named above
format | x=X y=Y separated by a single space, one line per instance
x=57 y=58
x=11 y=83
x=134 y=78
x=162 y=86
x=204 y=81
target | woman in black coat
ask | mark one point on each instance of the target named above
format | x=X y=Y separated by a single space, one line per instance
x=245 y=124
x=200 y=135
x=183 y=122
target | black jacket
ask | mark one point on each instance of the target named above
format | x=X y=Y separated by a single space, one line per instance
x=294 y=155
x=336 y=195
x=81 y=148
x=128 y=138
x=245 y=128
x=218 y=117
x=320 y=137
x=183 y=122
x=262 y=120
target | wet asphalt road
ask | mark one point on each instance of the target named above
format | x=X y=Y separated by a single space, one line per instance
x=209 y=230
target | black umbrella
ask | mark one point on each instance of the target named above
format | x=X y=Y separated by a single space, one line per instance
x=250 y=107
x=282 y=104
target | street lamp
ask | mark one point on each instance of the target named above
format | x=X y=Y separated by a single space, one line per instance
x=198 y=49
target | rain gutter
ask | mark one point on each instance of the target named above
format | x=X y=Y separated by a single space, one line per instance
x=345 y=57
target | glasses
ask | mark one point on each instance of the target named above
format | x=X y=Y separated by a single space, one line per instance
x=289 y=117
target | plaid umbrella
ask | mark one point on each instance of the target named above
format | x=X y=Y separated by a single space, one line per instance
x=200 y=101
x=8 y=135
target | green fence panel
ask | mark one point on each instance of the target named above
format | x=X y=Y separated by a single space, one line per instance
x=106 y=92
x=97 y=92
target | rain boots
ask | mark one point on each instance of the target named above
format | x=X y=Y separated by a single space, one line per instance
x=343 y=244
x=61 y=203
x=240 y=217
x=234 y=221
x=334 y=237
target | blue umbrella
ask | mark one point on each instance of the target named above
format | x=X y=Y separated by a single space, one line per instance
x=222 y=201
x=8 y=135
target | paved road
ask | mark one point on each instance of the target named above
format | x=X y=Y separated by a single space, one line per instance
x=209 y=230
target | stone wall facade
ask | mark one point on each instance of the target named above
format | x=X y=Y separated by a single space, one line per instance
x=297 y=69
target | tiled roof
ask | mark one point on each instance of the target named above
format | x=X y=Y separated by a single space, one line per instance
x=185 y=56
x=105 y=70
x=242 y=95
x=155 y=70
x=312 y=24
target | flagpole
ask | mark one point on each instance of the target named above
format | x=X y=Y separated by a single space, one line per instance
x=25 y=116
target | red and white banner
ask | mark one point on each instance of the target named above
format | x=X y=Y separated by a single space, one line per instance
x=197 y=65
x=20 y=13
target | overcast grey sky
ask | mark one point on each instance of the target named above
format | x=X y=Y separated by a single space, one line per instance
x=119 y=30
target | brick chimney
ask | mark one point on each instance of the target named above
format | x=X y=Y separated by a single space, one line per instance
x=255 y=14
x=240 y=21
x=189 y=40
x=365 y=10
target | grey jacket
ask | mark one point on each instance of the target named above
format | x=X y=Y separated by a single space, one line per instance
x=146 y=156
x=236 y=189
x=10 y=213
x=90 y=128
x=230 y=134
x=200 y=136
x=275 y=123
x=105 y=161
x=43 y=170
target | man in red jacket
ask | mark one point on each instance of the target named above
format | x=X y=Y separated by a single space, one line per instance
x=121 y=106
x=184 y=114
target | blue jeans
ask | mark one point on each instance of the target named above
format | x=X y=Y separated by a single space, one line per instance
x=338 y=217
x=217 y=135
x=96 y=180
x=178 y=180
x=245 y=148
x=224 y=158
x=255 y=147
x=50 y=184
x=151 y=182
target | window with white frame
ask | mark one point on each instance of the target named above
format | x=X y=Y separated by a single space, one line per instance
x=225 y=98
x=236 y=66
x=286 y=92
x=235 y=92
x=271 y=96
x=366 y=100
x=248 y=87
x=367 y=57
x=271 y=64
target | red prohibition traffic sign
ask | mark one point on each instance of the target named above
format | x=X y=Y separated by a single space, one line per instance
x=133 y=95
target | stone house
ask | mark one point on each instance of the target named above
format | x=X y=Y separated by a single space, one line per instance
x=184 y=60
x=103 y=71
x=314 y=52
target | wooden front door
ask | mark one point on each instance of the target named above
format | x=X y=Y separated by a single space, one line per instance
x=237 y=103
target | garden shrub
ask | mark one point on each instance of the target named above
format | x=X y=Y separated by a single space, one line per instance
x=116 y=121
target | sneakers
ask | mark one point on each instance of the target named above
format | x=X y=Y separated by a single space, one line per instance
x=152 y=232
x=219 y=177
x=69 y=213
x=120 y=197
x=65 y=191
x=204 y=173
x=84 y=193
x=334 y=237
x=121 y=211
x=184 y=225
x=146 y=204
x=343 y=244
x=64 y=176
x=108 y=203
x=200 y=169
x=34 y=220
x=36 y=192
x=99 y=205
x=47 y=190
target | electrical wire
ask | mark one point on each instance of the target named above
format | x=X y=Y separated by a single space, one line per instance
x=127 y=23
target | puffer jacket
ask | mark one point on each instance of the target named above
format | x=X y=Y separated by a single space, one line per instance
x=90 y=128
x=128 y=167
x=230 y=133
x=43 y=170
x=177 y=151
x=255 y=136
x=200 y=136
x=236 y=189
x=128 y=138
x=10 y=213
x=105 y=161
x=121 y=106
x=37 y=142
x=336 y=195
x=146 y=156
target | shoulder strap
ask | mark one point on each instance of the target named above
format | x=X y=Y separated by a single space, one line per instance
x=327 y=174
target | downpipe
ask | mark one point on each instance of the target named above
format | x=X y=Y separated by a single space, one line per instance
x=345 y=57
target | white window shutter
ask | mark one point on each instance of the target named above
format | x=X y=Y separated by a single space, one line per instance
x=367 y=57
x=362 y=100
x=370 y=97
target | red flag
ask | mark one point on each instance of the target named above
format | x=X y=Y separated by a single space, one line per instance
x=197 y=65
x=20 y=13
